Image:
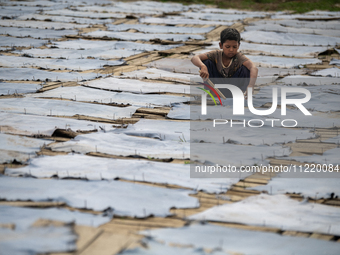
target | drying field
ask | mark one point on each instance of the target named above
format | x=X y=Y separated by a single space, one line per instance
x=96 y=140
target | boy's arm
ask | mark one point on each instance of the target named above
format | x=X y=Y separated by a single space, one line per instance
x=253 y=73
x=197 y=61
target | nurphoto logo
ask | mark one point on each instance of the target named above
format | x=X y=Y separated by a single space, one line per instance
x=238 y=104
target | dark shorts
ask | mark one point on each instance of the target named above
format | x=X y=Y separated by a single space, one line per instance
x=240 y=79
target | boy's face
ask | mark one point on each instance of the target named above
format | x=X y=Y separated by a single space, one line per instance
x=230 y=48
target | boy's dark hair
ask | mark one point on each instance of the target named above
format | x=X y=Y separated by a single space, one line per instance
x=230 y=34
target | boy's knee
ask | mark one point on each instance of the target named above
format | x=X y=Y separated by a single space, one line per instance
x=212 y=69
x=244 y=72
x=208 y=63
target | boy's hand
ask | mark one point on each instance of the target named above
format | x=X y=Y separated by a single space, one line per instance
x=204 y=72
x=246 y=92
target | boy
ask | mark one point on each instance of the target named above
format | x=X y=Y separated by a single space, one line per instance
x=228 y=62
